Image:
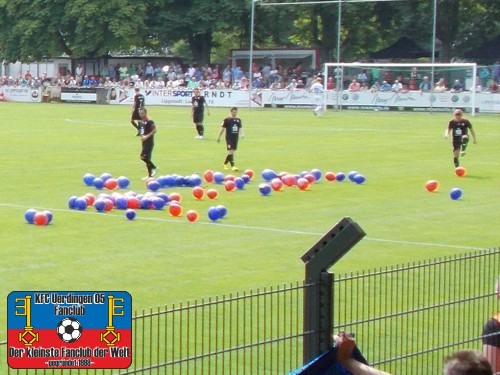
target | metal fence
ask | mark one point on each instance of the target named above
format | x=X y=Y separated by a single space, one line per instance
x=406 y=318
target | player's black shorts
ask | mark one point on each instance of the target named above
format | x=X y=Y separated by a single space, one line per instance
x=198 y=118
x=232 y=143
x=457 y=142
x=135 y=115
x=147 y=150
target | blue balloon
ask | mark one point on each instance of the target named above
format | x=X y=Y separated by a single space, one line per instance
x=145 y=203
x=98 y=183
x=121 y=203
x=81 y=203
x=194 y=180
x=181 y=181
x=240 y=183
x=158 y=203
x=130 y=214
x=123 y=182
x=106 y=176
x=246 y=178
x=222 y=211
x=340 y=177
x=170 y=181
x=268 y=175
x=88 y=178
x=213 y=213
x=265 y=189
x=162 y=180
x=359 y=179
x=154 y=185
x=317 y=174
x=455 y=193
x=29 y=215
x=100 y=205
x=49 y=216
x=351 y=175
x=163 y=196
x=71 y=202
x=218 y=177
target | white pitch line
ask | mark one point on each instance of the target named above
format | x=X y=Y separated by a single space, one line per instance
x=251 y=227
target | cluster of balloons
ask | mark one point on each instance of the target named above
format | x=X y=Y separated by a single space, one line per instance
x=455 y=193
x=39 y=218
x=106 y=181
x=277 y=181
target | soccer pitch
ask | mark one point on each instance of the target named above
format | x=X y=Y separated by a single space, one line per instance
x=160 y=259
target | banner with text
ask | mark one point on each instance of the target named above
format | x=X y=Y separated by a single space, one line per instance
x=359 y=100
x=57 y=330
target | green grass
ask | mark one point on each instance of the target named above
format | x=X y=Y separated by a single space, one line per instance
x=46 y=150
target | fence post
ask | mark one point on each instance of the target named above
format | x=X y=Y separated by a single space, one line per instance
x=318 y=301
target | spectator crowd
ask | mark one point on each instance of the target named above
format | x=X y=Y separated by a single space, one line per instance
x=177 y=76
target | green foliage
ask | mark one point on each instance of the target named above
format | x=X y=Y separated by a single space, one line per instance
x=194 y=21
x=35 y=29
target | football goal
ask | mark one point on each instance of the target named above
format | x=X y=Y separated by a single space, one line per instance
x=402 y=87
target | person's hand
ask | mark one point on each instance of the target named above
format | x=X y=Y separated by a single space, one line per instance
x=218 y=140
x=345 y=347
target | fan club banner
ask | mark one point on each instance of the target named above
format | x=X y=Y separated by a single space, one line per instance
x=61 y=330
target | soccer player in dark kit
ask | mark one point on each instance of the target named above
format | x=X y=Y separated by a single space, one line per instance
x=198 y=104
x=234 y=130
x=139 y=102
x=459 y=127
x=147 y=131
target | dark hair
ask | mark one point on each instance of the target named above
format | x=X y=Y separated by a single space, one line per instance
x=467 y=362
x=234 y=108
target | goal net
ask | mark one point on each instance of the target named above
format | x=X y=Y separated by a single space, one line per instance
x=401 y=87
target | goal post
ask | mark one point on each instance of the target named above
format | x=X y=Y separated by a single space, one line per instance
x=401 y=86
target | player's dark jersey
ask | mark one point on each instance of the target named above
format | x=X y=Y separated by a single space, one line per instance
x=146 y=127
x=232 y=126
x=459 y=127
x=492 y=332
x=198 y=103
x=139 y=101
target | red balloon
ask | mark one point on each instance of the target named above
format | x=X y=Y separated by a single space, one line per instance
x=212 y=194
x=460 y=171
x=230 y=185
x=277 y=184
x=198 y=192
x=90 y=198
x=432 y=185
x=289 y=180
x=208 y=176
x=192 y=215
x=111 y=184
x=133 y=202
x=174 y=197
x=41 y=219
x=309 y=177
x=175 y=209
x=303 y=183
x=109 y=204
x=249 y=173
x=330 y=176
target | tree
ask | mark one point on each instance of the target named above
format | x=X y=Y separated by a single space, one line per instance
x=33 y=29
x=194 y=21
